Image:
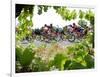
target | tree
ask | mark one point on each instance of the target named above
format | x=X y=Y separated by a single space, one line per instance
x=90 y=17
x=25 y=23
x=66 y=13
x=82 y=23
x=81 y=14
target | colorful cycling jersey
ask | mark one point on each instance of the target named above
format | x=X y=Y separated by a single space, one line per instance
x=79 y=29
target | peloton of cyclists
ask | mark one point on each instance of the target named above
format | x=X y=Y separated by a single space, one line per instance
x=77 y=29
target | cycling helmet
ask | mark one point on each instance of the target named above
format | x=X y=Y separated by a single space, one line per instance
x=74 y=24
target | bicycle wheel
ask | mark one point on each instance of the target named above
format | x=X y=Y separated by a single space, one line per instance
x=58 y=38
x=38 y=37
x=71 y=37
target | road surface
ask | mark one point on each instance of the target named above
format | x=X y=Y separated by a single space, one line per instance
x=39 y=43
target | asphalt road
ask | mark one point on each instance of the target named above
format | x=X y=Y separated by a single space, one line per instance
x=39 y=43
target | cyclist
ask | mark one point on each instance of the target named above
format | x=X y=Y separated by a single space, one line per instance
x=45 y=28
x=78 y=30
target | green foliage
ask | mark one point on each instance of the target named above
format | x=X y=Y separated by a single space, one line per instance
x=75 y=65
x=26 y=58
x=74 y=14
x=67 y=64
x=80 y=57
x=18 y=53
x=39 y=10
x=92 y=20
x=66 y=13
x=42 y=8
x=90 y=17
x=89 y=61
x=89 y=38
x=81 y=14
x=76 y=56
x=25 y=24
x=59 y=61
x=82 y=23
x=39 y=65
x=45 y=8
x=56 y=8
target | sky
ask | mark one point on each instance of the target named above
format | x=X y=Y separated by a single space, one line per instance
x=51 y=17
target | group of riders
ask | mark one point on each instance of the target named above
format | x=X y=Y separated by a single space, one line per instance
x=78 y=30
x=50 y=32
